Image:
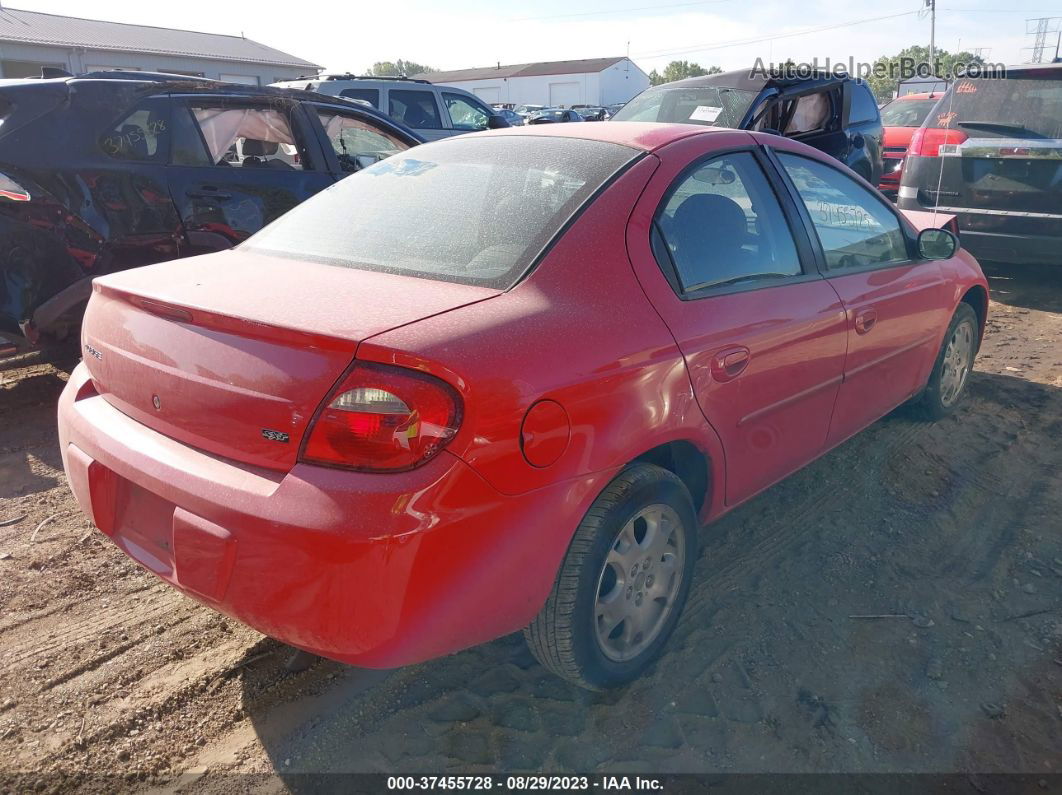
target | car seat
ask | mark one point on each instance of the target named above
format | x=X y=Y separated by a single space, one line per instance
x=707 y=235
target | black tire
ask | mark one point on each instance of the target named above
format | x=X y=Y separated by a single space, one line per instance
x=933 y=402
x=564 y=635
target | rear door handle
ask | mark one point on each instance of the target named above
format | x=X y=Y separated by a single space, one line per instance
x=865 y=320
x=208 y=193
x=729 y=363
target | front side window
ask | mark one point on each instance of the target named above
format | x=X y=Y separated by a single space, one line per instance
x=357 y=144
x=467 y=210
x=465 y=115
x=416 y=109
x=142 y=136
x=854 y=228
x=722 y=225
x=247 y=137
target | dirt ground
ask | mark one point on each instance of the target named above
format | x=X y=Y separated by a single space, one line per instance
x=953 y=531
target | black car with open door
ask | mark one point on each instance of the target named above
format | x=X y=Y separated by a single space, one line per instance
x=112 y=170
x=990 y=153
x=837 y=114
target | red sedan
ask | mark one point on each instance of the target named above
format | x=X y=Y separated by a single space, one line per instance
x=900 y=119
x=499 y=382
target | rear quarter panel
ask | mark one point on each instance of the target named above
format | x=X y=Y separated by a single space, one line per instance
x=579 y=331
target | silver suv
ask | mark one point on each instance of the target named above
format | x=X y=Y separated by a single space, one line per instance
x=433 y=111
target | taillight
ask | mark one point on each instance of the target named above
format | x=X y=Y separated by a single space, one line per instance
x=12 y=191
x=383 y=419
x=927 y=141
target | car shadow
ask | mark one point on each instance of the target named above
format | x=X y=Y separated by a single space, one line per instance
x=1027 y=286
x=879 y=611
x=30 y=460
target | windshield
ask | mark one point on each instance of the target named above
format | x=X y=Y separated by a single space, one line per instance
x=1008 y=107
x=469 y=210
x=711 y=106
x=906 y=113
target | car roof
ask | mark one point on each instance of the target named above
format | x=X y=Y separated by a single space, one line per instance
x=1048 y=70
x=181 y=84
x=644 y=135
x=748 y=80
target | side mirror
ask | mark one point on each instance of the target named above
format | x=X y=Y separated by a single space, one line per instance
x=496 y=122
x=937 y=244
x=858 y=141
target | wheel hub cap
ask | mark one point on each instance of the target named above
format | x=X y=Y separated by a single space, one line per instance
x=958 y=356
x=639 y=582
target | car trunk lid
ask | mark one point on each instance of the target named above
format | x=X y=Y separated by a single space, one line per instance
x=233 y=352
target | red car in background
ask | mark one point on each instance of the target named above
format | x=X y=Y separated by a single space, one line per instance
x=500 y=381
x=901 y=118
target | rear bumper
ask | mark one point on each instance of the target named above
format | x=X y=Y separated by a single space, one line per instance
x=1013 y=249
x=376 y=570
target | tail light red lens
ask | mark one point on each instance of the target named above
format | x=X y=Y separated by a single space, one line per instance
x=383 y=419
x=927 y=141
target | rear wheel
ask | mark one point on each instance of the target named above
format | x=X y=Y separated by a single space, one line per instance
x=947 y=383
x=623 y=582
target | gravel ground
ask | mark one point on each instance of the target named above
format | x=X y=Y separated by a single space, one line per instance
x=781 y=662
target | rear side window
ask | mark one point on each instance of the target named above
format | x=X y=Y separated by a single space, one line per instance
x=141 y=136
x=863 y=107
x=370 y=95
x=1010 y=107
x=416 y=109
x=723 y=225
x=468 y=210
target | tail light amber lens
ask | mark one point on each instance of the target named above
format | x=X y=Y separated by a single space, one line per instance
x=383 y=419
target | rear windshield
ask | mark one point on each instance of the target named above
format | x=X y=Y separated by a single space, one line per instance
x=711 y=106
x=468 y=210
x=1012 y=108
x=907 y=112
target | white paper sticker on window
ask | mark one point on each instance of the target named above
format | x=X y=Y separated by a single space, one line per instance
x=705 y=113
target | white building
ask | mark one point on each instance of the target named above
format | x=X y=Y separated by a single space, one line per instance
x=592 y=81
x=30 y=40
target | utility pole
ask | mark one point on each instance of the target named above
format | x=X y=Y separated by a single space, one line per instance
x=933 y=34
x=1038 y=29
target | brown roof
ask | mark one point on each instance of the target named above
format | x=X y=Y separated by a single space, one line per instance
x=523 y=70
x=34 y=27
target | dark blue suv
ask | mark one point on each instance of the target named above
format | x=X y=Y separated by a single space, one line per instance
x=835 y=114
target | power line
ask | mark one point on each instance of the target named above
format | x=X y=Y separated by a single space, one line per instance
x=739 y=42
x=622 y=10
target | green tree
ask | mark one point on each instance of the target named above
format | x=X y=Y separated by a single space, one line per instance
x=888 y=68
x=399 y=68
x=680 y=70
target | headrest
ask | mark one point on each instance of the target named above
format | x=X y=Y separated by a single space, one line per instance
x=252 y=147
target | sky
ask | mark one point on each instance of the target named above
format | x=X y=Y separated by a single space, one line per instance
x=456 y=34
